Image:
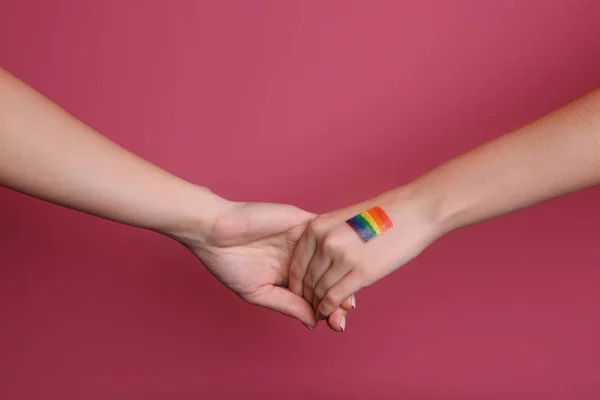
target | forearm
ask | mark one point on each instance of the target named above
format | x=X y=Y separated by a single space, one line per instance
x=553 y=156
x=47 y=153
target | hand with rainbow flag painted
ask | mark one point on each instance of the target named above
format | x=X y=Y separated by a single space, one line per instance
x=346 y=250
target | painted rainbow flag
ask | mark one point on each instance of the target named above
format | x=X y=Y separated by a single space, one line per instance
x=370 y=223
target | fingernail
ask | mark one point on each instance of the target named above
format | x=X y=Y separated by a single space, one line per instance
x=343 y=323
x=353 y=303
x=308 y=326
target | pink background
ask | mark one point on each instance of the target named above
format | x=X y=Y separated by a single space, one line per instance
x=282 y=101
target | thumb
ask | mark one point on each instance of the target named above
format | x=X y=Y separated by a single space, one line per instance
x=282 y=300
x=268 y=219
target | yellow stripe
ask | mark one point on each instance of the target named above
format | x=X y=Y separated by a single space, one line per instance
x=369 y=218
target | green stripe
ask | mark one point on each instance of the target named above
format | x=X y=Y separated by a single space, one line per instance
x=366 y=225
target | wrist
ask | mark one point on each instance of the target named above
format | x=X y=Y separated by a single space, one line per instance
x=421 y=207
x=444 y=210
x=195 y=214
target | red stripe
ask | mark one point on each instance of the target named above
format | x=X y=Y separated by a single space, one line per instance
x=382 y=218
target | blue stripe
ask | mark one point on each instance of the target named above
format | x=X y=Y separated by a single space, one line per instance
x=364 y=233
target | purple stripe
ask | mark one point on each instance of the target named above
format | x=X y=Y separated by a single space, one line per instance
x=364 y=233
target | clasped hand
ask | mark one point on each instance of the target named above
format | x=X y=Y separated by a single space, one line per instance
x=306 y=266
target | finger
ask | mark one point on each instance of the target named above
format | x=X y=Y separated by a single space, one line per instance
x=333 y=275
x=303 y=253
x=337 y=320
x=266 y=219
x=316 y=268
x=349 y=284
x=349 y=304
x=283 y=301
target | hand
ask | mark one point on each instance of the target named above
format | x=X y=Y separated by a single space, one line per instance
x=249 y=247
x=332 y=263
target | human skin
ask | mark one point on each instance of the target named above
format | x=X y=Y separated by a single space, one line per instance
x=551 y=157
x=47 y=153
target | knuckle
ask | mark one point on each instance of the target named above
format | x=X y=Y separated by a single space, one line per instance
x=331 y=299
x=319 y=226
x=327 y=244
x=330 y=243
x=343 y=258
x=315 y=228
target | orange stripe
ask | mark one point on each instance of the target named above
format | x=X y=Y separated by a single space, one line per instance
x=377 y=219
x=381 y=217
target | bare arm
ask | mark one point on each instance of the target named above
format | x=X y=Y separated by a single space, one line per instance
x=49 y=154
x=553 y=156
x=46 y=153
x=556 y=155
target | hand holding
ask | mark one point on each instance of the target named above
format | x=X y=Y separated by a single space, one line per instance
x=249 y=247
